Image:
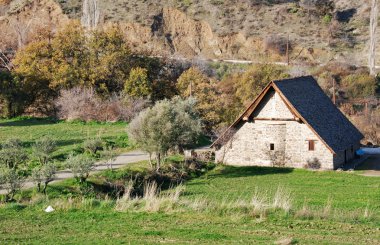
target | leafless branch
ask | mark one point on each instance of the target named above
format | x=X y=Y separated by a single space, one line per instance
x=5 y=61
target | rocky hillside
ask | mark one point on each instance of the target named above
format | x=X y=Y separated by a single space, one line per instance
x=212 y=29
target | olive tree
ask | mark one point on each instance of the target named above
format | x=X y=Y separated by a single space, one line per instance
x=44 y=174
x=169 y=125
x=11 y=181
x=43 y=149
x=12 y=154
x=80 y=166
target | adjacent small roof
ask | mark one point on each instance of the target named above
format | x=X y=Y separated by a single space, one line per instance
x=312 y=106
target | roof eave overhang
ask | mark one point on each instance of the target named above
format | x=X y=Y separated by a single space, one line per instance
x=295 y=112
x=251 y=108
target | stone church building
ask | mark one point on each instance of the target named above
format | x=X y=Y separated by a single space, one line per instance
x=291 y=123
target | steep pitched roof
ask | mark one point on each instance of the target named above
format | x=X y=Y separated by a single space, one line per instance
x=308 y=102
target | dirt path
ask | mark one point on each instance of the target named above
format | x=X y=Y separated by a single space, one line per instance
x=121 y=161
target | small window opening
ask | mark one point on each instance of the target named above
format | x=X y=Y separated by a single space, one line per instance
x=272 y=147
x=311 y=145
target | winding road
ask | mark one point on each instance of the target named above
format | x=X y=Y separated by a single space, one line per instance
x=120 y=161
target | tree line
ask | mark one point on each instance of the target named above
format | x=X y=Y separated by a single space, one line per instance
x=91 y=74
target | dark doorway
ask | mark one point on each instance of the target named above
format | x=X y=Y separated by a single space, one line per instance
x=345 y=156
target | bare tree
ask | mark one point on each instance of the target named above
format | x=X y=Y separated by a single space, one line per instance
x=4 y=61
x=373 y=27
x=21 y=28
x=91 y=14
x=85 y=104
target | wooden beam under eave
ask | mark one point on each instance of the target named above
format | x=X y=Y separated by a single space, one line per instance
x=273 y=119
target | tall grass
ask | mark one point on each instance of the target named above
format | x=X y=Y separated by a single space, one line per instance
x=259 y=205
x=282 y=199
x=152 y=200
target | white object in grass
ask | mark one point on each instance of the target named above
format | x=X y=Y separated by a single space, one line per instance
x=49 y=209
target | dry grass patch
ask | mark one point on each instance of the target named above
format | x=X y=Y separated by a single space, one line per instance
x=153 y=200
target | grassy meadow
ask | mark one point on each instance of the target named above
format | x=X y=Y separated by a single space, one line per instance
x=221 y=205
x=323 y=208
x=68 y=135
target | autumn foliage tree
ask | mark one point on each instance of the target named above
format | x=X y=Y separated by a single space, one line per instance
x=75 y=57
x=219 y=103
x=138 y=84
x=193 y=83
x=237 y=90
x=253 y=81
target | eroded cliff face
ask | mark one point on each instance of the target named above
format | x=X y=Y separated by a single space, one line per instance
x=203 y=29
x=23 y=21
x=174 y=33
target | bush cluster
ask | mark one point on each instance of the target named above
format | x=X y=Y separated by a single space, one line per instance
x=86 y=105
x=172 y=173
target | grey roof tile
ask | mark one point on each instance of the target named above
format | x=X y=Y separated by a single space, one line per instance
x=307 y=97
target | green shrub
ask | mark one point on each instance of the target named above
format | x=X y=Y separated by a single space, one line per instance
x=93 y=145
x=294 y=8
x=327 y=18
x=186 y=3
x=360 y=85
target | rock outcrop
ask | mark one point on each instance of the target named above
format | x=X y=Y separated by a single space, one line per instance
x=241 y=30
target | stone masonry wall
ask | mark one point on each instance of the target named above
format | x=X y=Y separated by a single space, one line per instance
x=272 y=106
x=251 y=143
x=350 y=154
x=250 y=146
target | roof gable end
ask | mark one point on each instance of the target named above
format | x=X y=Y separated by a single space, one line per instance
x=309 y=104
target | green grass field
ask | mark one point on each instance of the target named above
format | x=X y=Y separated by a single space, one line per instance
x=69 y=135
x=99 y=222
x=347 y=191
x=324 y=207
